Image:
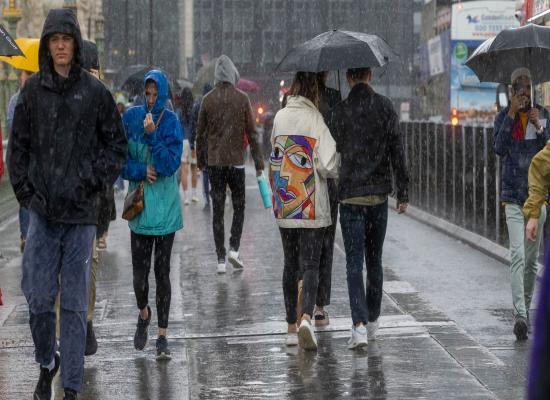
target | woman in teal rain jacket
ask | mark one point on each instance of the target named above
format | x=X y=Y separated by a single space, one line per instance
x=154 y=152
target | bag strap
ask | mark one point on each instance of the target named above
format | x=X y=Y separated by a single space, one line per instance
x=160 y=118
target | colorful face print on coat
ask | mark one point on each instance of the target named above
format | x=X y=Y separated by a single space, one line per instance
x=292 y=177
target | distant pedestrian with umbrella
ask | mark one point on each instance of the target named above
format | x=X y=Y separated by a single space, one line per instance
x=519 y=57
x=521 y=131
x=26 y=65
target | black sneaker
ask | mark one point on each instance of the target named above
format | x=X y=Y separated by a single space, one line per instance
x=91 y=342
x=140 y=338
x=44 y=390
x=521 y=329
x=162 y=349
x=70 y=395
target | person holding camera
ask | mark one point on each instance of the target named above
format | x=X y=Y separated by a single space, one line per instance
x=521 y=131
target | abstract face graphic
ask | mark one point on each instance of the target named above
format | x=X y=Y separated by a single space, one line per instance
x=292 y=177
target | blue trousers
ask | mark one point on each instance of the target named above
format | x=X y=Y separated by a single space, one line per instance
x=23 y=222
x=364 y=231
x=57 y=258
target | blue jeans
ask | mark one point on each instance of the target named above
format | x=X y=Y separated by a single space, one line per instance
x=364 y=231
x=57 y=258
x=23 y=222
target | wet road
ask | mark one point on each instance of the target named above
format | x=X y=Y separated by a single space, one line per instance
x=445 y=330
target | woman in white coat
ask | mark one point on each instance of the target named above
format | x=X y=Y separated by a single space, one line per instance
x=303 y=155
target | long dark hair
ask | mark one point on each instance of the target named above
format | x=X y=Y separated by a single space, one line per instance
x=186 y=101
x=305 y=84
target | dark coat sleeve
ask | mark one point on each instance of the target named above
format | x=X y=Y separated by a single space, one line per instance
x=255 y=148
x=398 y=161
x=503 y=133
x=202 y=137
x=193 y=126
x=19 y=150
x=113 y=145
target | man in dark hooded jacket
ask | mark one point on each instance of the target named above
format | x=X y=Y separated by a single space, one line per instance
x=67 y=145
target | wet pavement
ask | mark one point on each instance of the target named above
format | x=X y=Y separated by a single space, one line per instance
x=445 y=331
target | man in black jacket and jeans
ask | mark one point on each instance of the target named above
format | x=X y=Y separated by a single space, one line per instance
x=365 y=128
x=67 y=146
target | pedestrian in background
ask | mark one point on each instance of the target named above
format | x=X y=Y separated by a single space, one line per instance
x=67 y=145
x=366 y=129
x=521 y=131
x=303 y=156
x=184 y=110
x=154 y=153
x=328 y=99
x=225 y=117
x=204 y=173
x=23 y=212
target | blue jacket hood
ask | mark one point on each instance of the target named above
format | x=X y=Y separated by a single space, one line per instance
x=162 y=86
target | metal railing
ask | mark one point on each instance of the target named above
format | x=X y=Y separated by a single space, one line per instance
x=454 y=175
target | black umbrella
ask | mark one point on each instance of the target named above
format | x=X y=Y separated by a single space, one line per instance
x=8 y=47
x=130 y=79
x=496 y=58
x=336 y=50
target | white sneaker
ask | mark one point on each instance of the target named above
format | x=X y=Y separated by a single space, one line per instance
x=359 y=337
x=234 y=259
x=221 y=268
x=306 y=336
x=291 y=339
x=372 y=328
x=195 y=199
x=186 y=201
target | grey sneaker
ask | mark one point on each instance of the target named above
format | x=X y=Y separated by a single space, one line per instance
x=142 y=331
x=163 y=353
x=521 y=328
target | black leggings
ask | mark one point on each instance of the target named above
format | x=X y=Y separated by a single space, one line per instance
x=302 y=253
x=142 y=249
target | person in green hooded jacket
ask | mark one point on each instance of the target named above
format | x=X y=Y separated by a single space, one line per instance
x=155 y=140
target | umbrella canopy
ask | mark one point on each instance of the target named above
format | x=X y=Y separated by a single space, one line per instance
x=29 y=60
x=205 y=75
x=496 y=58
x=338 y=50
x=130 y=79
x=8 y=47
x=246 y=85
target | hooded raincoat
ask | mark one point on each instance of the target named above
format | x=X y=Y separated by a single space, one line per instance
x=162 y=149
x=67 y=141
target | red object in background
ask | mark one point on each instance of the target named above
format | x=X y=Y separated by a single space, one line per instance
x=1 y=304
x=247 y=85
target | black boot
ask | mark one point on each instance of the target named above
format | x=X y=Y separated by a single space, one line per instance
x=91 y=342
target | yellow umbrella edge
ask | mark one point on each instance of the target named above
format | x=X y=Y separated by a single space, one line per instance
x=29 y=47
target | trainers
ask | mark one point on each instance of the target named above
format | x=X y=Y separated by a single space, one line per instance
x=221 y=267
x=291 y=339
x=162 y=349
x=44 y=389
x=186 y=202
x=321 y=318
x=91 y=342
x=359 y=337
x=235 y=260
x=372 y=328
x=70 y=395
x=140 y=337
x=195 y=199
x=521 y=329
x=306 y=336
